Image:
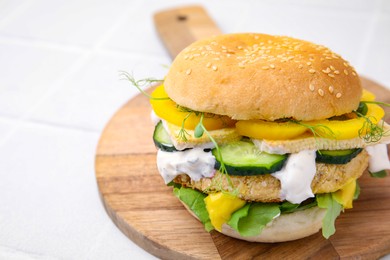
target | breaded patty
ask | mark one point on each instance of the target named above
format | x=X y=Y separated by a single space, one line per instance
x=266 y=188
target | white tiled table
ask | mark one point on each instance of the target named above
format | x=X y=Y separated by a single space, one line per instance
x=59 y=85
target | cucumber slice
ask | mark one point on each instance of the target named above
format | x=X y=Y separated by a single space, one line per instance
x=243 y=158
x=337 y=156
x=162 y=140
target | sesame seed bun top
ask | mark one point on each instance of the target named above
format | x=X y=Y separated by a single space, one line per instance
x=258 y=76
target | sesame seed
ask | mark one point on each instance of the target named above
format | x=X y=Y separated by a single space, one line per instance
x=256 y=37
x=300 y=66
x=241 y=65
x=331 y=75
x=336 y=72
x=338 y=95
x=272 y=66
x=228 y=55
x=239 y=47
x=188 y=72
x=223 y=47
x=186 y=57
x=196 y=55
x=353 y=73
x=191 y=57
x=346 y=64
x=308 y=63
x=265 y=67
x=214 y=67
x=208 y=65
x=331 y=89
x=328 y=58
x=311 y=87
x=346 y=72
x=327 y=70
x=331 y=67
x=312 y=71
x=321 y=92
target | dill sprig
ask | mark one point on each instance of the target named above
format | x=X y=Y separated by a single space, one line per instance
x=139 y=84
x=318 y=130
x=371 y=132
x=182 y=135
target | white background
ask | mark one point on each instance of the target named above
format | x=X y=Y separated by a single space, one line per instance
x=59 y=86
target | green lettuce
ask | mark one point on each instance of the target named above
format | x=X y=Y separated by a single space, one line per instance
x=333 y=210
x=380 y=174
x=195 y=201
x=252 y=218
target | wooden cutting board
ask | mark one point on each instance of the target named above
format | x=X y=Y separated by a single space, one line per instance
x=145 y=210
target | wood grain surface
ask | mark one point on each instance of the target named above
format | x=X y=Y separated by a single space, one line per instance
x=144 y=209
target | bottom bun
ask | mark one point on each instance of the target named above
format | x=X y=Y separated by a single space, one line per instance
x=286 y=227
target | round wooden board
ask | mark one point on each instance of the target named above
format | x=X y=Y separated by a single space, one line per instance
x=144 y=208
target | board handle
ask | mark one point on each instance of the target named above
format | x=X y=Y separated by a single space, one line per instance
x=180 y=27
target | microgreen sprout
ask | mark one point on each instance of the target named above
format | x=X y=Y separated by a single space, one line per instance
x=376 y=103
x=200 y=129
x=139 y=84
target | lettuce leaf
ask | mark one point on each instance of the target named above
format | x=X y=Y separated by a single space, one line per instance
x=357 y=191
x=288 y=207
x=195 y=201
x=333 y=209
x=252 y=218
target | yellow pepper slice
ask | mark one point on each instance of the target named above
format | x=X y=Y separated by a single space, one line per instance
x=221 y=206
x=345 y=195
x=367 y=96
x=347 y=129
x=333 y=129
x=260 y=129
x=168 y=110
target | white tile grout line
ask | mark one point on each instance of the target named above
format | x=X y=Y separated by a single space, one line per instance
x=77 y=49
x=80 y=63
x=39 y=123
x=31 y=42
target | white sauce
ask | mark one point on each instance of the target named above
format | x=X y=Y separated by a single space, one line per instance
x=194 y=162
x=296 y=176
x=378 y=158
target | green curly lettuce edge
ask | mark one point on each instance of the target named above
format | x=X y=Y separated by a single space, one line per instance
x=253 y=217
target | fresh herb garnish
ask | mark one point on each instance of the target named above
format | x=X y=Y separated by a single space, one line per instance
x=318 y=130
x=371 y=132
x=139 y=84
x=200 y=129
